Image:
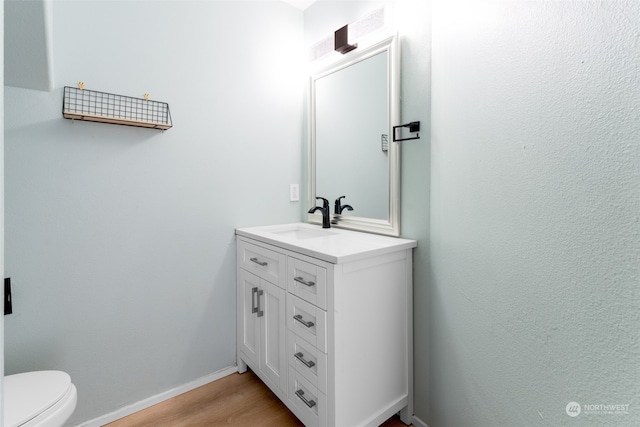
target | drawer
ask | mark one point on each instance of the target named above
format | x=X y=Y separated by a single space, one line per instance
x=308 y=361
x=265 y=263
x=307 y=321
x=308 y=281
x=308 y=404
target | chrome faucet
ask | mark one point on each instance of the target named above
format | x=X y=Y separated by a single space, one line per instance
x=326 y=223
x=339 y=207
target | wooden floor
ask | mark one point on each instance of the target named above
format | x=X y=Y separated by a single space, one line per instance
x=235 y=400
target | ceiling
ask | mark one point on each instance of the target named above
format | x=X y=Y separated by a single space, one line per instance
x=300 y=4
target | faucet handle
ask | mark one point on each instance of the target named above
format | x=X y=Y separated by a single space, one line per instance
x=325 y=202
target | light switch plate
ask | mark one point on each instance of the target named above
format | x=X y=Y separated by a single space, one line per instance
x=294 y=192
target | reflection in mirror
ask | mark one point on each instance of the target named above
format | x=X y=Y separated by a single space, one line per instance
x=354 y=104
x=351 y=123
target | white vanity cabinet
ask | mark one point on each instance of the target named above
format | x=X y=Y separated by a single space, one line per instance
x=334 y=336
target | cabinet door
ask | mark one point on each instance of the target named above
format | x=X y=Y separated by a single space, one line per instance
x=273 y=346
x=248 y=321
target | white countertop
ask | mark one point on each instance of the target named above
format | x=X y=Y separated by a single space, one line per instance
x=333 y=245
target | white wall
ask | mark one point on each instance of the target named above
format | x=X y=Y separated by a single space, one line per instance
x=120 y=240
x=535 y=200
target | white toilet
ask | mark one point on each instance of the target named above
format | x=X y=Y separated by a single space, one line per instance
x=38 y=399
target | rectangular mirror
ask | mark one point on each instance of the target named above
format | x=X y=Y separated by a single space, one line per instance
x=354 y=103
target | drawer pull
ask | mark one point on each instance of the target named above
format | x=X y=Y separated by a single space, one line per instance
x=260 y=263
x=260 y=312
x=304 y=282
x=254 y=306
x=306 y=323
x=307 y=363
x=309 y=403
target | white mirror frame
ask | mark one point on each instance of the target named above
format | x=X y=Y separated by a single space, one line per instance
x=391 y=226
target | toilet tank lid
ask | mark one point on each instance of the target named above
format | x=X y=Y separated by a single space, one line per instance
x=28 y=394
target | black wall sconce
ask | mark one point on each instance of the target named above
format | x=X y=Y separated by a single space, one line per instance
x=341 y=41
x=413 y=127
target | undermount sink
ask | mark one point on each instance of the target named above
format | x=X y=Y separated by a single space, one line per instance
x=302 y=233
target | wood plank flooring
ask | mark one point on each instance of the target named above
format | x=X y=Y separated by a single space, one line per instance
x=235 y=400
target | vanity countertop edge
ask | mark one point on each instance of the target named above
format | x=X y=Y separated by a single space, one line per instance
x=334 y=245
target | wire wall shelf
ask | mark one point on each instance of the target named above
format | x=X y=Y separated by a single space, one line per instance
x=92 y=106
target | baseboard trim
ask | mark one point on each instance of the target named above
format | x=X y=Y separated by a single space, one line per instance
x=153 y=400
x=417 y=422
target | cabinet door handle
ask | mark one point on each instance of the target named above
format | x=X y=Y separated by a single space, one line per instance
x=304 y=282
x=307 y=363
x=254 y=307
x=306 y=323
x=309 y=403
x=260 y=312
x=260 y=263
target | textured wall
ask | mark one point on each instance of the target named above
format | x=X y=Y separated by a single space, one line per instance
x=120 y=240
x=535 y=212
